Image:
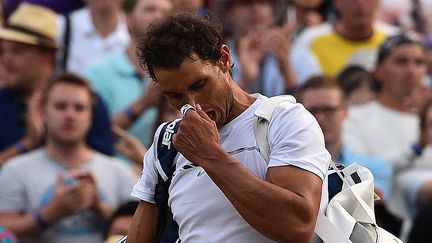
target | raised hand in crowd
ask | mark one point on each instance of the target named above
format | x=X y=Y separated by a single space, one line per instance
x=130 y=146
x=35 y=129
x=34 y=121
x=255 y=46
x=417 y=98
x=149 y=98
x=251 y=52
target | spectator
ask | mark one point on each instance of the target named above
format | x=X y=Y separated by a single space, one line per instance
x=357 y=84
x=352 y=39
x=260 y=45
x=65 y=191
x=120 y=221
x=392 y=121
x=93 y=32
x=325 y=99
x=131 y=96
x=414 y=182
x=392 y=130
x=28 y=55
x=305 y=14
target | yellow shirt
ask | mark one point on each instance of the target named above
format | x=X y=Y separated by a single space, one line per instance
x=334 y=52
x=320 y=50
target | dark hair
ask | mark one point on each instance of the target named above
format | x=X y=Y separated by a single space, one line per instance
x=352 y=77
x=169 y=41
x=68 y=78
x=126 y=209
x=391 y=43
x=318 y=82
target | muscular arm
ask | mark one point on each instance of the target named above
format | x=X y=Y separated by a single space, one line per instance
x=290 y=196
x=143 y=227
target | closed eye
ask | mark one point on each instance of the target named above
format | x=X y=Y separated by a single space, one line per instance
x=173 y=95
x=198 y=85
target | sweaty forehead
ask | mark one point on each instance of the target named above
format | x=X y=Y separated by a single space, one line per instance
x=189 y=71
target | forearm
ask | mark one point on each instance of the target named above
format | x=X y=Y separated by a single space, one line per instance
x=127 y=117
x=8 y=153
x=291 y=81
x=20 y=224
x=143 y=224
x=33 y=223
x=262 y=203
x=21 y=147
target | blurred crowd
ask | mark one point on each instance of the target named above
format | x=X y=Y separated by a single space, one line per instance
x=78 y=112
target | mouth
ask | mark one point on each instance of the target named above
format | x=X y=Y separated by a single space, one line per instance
x=69 y=128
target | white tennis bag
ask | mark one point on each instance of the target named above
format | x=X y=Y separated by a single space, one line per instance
x=349 y=216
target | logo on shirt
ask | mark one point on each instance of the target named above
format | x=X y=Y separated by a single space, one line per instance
x=169 y=131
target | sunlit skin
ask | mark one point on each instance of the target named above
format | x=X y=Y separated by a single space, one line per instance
x=67 y=114
x=206 y=83
x=208 y=86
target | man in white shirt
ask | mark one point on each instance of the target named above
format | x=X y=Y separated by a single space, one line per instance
x=388 y=127
x=222 y=189
x=96 y=31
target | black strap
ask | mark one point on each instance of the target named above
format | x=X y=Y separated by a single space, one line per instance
x=66 y=43
x=167 y=228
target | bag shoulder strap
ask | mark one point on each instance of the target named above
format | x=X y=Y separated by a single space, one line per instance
x=264 y=115
x=166 y=154
x=66 y=43
x=325 y=229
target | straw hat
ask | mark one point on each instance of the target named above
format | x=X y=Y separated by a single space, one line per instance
x=31 y=24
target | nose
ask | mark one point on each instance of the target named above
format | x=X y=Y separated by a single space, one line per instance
x=415 y=68
x=70 y=112
x=189 y=99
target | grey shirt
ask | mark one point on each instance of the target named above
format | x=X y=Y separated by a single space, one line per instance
x=27 y=184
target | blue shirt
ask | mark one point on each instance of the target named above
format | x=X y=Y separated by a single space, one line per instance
x=13 y=123
x=117 y=82
x=380 y=168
